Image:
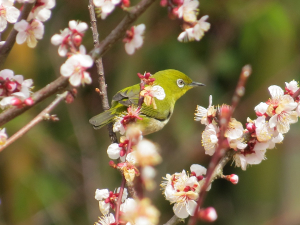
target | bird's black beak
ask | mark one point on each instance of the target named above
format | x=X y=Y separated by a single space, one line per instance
x=195 y=84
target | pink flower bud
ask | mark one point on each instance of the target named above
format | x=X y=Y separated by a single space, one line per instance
x=178 y=2
x=163 y=3
x=29 y=101
x=250 y=127
x=126 y=3
x=209 y=214
x=16 y=102
x=77 y=40
x=233 y=178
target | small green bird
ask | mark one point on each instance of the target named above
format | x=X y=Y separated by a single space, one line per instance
x=171 y=84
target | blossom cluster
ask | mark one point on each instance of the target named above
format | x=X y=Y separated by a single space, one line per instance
x=32 y=29
x=137 y=156
x=148 y=92
x=273 y=121
x=182 y=190
x=14 y=90
x=187 y=10
x=69 y=42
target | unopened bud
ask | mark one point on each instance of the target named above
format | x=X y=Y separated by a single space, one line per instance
x=126 y=3
x=209 y=214
x=16 y=102
x=250 y=127
x=77 y=40
x=112 y=164
x=233 y=178
x=178 y=2
x=29 y=101
x=175 y=11
x=163 y=3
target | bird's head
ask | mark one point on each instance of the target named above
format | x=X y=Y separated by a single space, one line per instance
x=174 y=83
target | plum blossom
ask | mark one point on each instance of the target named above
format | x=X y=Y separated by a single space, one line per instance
x=41 y=10
x=151 y=92
x=234 y=134
x=205 y=115
x=75 y=68
x=134 y=38
x=146 y=153
x=291 y=87
x=29 y=32
x=8 y=13
x=261 y=109
x=121 y=121
x=210 y=139
x=188 y=10
x=106 y=6
x=107 y=199
x=183 y=190
x=280 y=110
x=69 y=36
x=14 y=89
x=196 y=32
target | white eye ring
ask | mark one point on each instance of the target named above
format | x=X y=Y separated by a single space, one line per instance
x=180 y=83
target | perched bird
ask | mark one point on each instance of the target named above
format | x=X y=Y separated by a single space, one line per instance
x=167 y=88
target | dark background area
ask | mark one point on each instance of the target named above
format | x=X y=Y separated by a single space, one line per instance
x=49 y=176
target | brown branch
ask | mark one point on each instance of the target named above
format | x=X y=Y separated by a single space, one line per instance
x=52 y=88
x=11 y=39
x=100 y=70
x=223 y=147
x=120 y=30
x=40 y=117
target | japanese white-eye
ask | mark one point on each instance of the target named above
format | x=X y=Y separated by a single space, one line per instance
x=174 y=84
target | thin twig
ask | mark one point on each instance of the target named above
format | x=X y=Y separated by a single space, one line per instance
x=11 y=39
x=40 y=117
x=100 y=70
x=52 y=88
x=223 y=147
x=120 y=30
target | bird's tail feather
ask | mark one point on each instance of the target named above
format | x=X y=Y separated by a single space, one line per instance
x=102 y=119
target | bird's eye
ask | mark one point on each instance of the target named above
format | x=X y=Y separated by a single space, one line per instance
x=180 y=83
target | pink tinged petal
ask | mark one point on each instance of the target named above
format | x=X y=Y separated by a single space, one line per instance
x=62 y=50
x=113 y=151
x=273 y=121
x=261 y=108
x=72 y=24
x=57 y=39
x=86 y=78
x=82 y=27
x=129 y=47
x=3 y=23
x=138 y=41
x=180 y=210
x=101 y=194
x=107 y=7
x=39 y=30
x=27 y=83
x=275 y=91
x=75 y=79
x=139 y=29
x=98 y=3
x=21 y=26
x=67 y=69
x=6 y=73
x=21 y=37
x=256 y=158
x=50 y=4
x=82 y=50
x=288 y=103
x=293 y=117
x=241 y=145
x=43 y=15
x=198 y=169
x=115 y=2
x=19 y=79
x=86 y=61
x=12 y=14
x=191 y=207
x=104 y=207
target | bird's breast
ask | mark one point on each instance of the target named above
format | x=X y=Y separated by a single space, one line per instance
x=151 y=125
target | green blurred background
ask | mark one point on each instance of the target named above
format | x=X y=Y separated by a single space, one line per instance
x=49 y=176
